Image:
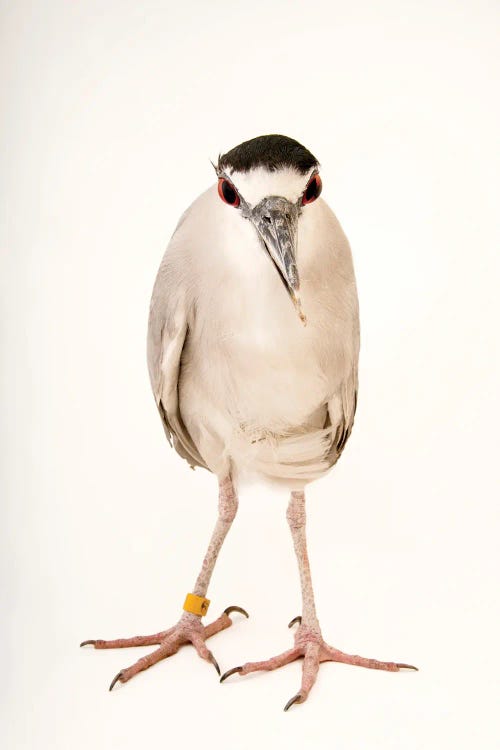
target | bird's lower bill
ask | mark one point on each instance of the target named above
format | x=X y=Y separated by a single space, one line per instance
x=276 y=221
x=290 y=281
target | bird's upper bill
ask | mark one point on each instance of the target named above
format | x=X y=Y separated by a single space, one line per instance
x=270 y=180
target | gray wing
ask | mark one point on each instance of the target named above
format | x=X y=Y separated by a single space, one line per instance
x=167 y=333
x=341 y=411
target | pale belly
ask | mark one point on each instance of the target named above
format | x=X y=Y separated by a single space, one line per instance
x=244 y=394
x=274 y=389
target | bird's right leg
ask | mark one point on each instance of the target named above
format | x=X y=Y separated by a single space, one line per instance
x=309 y=644
x=189 y=629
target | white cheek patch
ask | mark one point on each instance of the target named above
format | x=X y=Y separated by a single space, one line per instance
x=259 y=183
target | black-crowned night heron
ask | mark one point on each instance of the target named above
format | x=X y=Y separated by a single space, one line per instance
x=253 y=356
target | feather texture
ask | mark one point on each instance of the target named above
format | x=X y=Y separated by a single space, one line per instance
x=240 y=384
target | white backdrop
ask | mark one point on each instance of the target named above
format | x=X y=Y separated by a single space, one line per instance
x=110 y=114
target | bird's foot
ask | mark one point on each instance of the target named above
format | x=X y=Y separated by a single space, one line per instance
x=189 y=629
x=310 y=646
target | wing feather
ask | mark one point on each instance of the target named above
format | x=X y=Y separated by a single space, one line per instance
x=167 y=334
x=341 y=412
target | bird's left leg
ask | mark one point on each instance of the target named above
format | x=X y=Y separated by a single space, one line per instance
x=309 y=642
x=189 y=629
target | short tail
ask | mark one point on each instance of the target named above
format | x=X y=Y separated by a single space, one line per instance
x=298 y=456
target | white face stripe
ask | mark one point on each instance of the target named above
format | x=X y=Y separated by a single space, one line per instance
x=259 y=183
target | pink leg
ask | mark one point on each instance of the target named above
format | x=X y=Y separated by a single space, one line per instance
x=309 y=642
x=189 y=629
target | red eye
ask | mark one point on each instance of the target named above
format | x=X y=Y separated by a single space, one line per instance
x=228 y=193
x=313 y=190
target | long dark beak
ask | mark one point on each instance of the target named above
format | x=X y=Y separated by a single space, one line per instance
x=276 y=221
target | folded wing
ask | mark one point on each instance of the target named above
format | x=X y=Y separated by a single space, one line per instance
x=167 y=334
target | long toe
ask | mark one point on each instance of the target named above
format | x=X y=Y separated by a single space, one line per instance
x=310 y=668
x=137 y=640
x=189 y=630
x=333 y=654
x=310 y=645
x=167 y=649
x=269 y=664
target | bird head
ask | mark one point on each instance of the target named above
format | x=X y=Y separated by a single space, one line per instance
x=271 y=180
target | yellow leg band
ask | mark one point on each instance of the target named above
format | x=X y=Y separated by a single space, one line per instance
x=197 y=605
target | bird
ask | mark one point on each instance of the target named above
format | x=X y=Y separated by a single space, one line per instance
x=253 y=346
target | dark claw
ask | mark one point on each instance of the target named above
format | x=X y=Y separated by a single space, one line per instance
x=214 y=662
x=87 y=643
x=242 y=611
x=115 y=680
x=296 y=699
x=407 y=666
x=295 y=619
x=230 y=672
